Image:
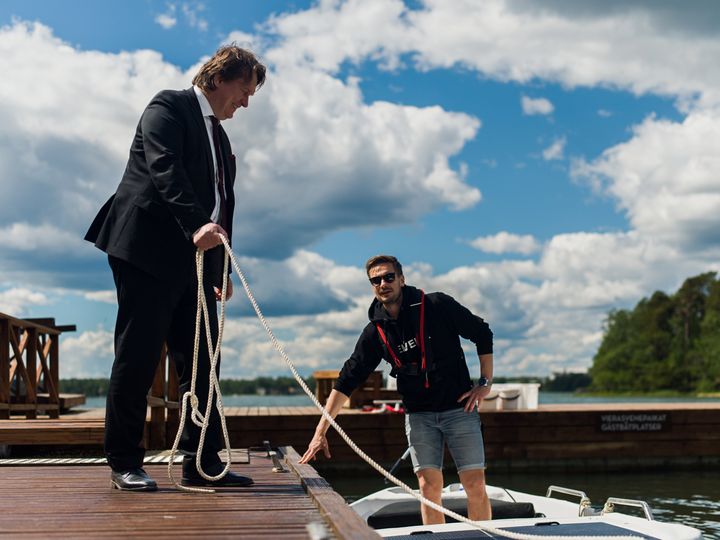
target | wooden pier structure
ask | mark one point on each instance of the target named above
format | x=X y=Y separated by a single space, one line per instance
x=29 y=367
x=588 y=436
x=76 y=501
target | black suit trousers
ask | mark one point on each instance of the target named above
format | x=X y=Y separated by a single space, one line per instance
x=151 y=312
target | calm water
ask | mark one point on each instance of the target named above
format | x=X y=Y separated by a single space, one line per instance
x=234 y=401
x=690 y=497
x=567 y=397
x=302 y=400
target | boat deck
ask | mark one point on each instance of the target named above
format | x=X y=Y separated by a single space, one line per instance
x=76 y=501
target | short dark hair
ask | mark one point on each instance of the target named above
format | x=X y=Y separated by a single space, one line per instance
x=383 y=259
x=230 y=62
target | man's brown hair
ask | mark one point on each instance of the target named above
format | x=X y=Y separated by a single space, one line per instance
x=383 y=259
x=230 y=62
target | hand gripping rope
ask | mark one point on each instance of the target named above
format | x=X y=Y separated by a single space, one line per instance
x=203 y=420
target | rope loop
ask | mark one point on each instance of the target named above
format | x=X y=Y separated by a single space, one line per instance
x=199 y=419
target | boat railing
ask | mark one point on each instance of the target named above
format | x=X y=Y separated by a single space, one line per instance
x=584 y=508
x=612 y=501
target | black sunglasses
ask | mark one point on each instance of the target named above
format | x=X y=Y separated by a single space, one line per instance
x=388 y=278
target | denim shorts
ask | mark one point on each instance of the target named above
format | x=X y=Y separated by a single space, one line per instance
x=427 y=433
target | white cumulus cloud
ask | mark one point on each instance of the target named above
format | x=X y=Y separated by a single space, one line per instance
x=667 y=179
x=18 y=301
x=505 y=242
x=633 y=46
x=67 y=155
x=533 y=106
x=88 y=355
x=192 y=13
x=106 y=297
x=556 y=150
x=166 y=21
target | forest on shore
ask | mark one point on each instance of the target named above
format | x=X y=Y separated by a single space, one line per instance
x=666 y=343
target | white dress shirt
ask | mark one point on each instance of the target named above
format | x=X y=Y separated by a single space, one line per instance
x=207 y=112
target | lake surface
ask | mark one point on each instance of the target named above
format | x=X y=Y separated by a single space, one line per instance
x=543 y=397
x=234 y=401
x=569 y=397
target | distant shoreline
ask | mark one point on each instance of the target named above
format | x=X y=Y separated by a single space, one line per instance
x=287 y=386
x=298 y=400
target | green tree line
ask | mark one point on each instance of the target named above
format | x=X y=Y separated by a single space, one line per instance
x=666 y=343
x=260 y=385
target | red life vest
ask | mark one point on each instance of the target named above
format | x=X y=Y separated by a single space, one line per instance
x=398 y=365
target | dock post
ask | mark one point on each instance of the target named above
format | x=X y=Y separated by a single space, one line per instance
x=4 y=368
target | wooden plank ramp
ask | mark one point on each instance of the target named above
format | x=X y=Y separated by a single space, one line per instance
x=65 y=430
x=58 y=501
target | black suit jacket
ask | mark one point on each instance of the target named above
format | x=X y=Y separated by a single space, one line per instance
x=167 y=192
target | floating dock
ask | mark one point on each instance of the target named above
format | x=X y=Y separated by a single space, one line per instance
x=584 y=436
x=46 y=499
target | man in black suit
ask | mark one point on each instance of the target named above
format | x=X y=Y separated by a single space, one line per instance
x=175 y=196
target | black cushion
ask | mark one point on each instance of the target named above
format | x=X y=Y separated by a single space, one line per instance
x=407 y=513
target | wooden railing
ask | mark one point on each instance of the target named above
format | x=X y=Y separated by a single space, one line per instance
x=29 y=366
x=364 y=395
x=163 y=402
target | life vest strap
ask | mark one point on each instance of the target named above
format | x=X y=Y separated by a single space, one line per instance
x=420 y=338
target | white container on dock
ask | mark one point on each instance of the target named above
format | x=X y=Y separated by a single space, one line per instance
x=490 y=401
x=517 y=395
x=509 y=399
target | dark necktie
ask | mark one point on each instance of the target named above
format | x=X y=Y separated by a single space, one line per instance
x=220 y=176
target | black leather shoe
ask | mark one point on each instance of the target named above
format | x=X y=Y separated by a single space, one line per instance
x=231 y=479
x=132 y=480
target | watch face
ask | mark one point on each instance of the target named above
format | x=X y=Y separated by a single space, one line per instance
x=482 y=381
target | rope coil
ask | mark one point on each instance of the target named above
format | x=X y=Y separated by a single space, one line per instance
x=214 y=385
x=203 y=420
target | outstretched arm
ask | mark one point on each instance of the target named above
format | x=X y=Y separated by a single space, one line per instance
x=334 y=403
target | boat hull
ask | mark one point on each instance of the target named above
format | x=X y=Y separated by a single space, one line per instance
x=395 y=514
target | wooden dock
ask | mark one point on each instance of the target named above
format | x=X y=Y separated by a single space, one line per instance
x=599 y=436
x=30 y=366
x=76 y=501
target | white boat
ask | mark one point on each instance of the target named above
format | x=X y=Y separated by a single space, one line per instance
x=395 y=514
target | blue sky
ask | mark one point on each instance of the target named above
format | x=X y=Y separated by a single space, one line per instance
x=543 y=163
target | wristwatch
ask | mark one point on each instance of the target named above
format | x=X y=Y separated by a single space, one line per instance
x=484 y=381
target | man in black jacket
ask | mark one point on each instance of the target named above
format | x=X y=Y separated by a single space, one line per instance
x=175 y=196
x=419 y=335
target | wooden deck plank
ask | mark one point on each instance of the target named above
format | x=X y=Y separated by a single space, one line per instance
x=77 y=501
x=67 y=401
x=329 y=502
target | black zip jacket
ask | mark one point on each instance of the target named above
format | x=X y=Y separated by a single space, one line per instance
x=446 y=376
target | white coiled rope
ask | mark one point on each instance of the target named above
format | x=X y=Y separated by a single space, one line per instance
x=203 y=420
